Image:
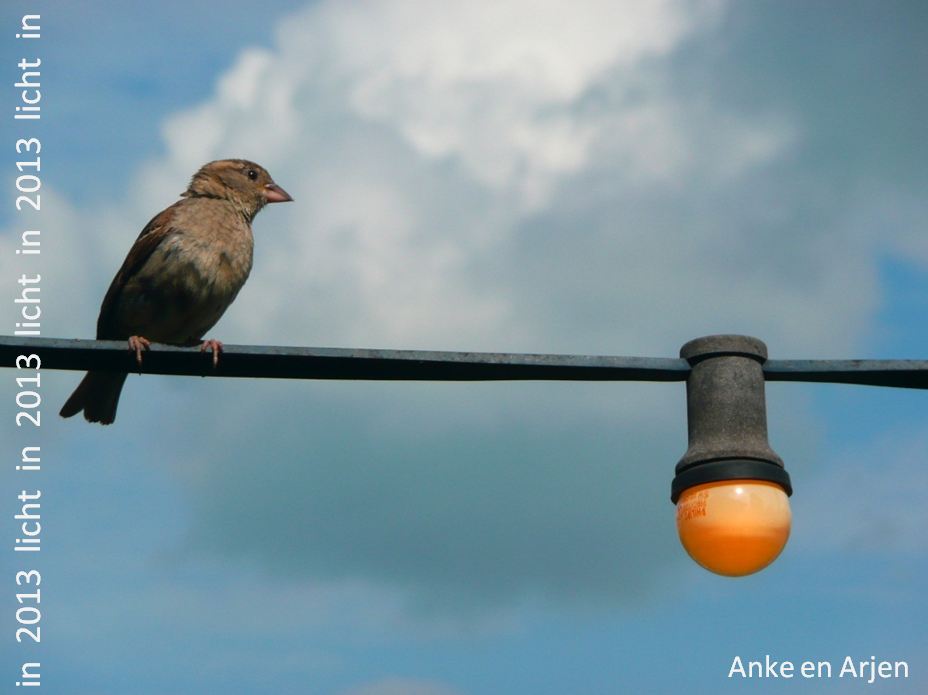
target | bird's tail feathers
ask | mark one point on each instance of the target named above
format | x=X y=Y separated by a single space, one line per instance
x=97 y=395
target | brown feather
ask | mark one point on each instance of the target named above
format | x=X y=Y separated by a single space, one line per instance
x=156 y=231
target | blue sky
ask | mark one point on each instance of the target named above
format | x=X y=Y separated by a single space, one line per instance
x=589 y=177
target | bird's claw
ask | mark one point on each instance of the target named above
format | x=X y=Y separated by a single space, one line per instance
x=137 y=344
x=215 y=347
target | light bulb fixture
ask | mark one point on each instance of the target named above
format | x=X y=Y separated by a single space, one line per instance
x=730 y=487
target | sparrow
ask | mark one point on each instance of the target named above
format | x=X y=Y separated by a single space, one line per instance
x=181 y=274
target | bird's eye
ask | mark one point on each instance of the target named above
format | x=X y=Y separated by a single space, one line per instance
x=252 y=174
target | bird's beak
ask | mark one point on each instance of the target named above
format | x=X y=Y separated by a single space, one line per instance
x=275 y=194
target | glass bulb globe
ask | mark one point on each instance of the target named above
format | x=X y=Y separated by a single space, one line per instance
x=734 y=527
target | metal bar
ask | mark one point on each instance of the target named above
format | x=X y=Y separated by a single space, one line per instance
x=339 y=363
x=910 y=374
x=421 y=365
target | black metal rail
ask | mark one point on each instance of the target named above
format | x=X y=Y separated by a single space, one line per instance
x=419 y=365
x=340 y=363
x=909 y=374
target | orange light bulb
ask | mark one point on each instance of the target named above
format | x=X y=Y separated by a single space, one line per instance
x=734 y=527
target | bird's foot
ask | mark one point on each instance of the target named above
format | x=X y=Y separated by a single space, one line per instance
x=138 y=343
x=215 y=347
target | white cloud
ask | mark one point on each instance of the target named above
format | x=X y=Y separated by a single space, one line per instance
x=498 y=87
x=423 y=144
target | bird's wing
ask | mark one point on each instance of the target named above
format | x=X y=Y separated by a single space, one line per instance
x=155 y=232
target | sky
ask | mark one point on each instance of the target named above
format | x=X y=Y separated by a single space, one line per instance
x=591 y=177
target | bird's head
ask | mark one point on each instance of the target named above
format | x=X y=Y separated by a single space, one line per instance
x=246 y=184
